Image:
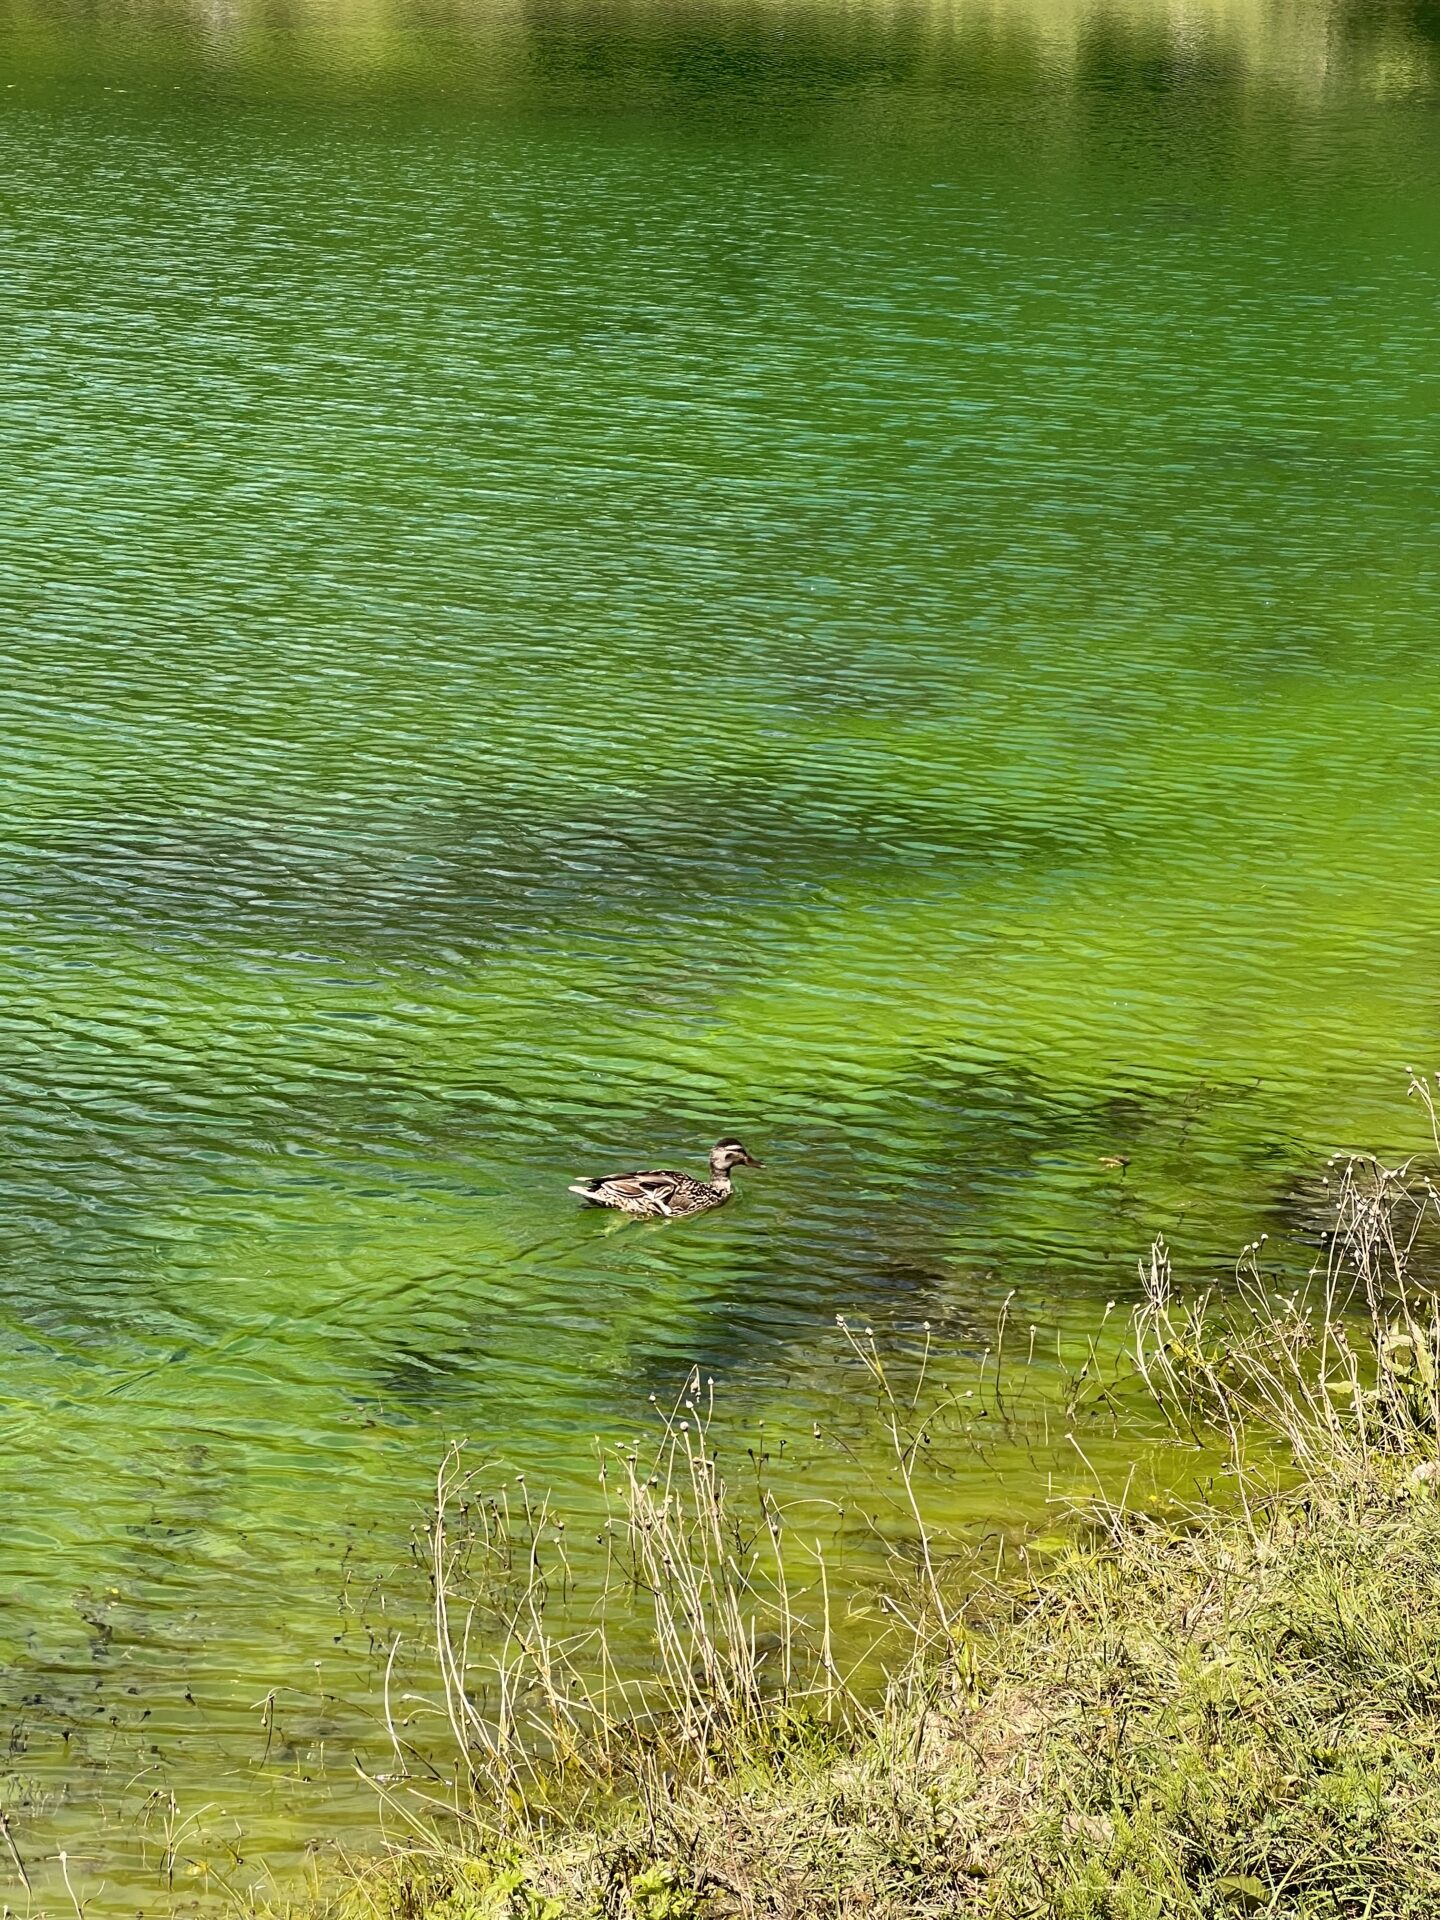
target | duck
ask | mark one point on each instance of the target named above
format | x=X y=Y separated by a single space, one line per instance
x=666 y=1195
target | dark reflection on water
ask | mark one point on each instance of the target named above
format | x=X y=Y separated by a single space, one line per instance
x=576 y=579
x=615 y=58
x=488 y=879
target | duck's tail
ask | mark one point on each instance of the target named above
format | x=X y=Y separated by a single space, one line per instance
x=586 y=1188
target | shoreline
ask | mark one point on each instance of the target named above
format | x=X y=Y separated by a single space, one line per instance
x=1232 y=1710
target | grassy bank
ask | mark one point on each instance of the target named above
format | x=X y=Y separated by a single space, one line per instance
x=1236 y=1711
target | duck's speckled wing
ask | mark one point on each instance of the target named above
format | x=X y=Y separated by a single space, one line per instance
x=651 y=1193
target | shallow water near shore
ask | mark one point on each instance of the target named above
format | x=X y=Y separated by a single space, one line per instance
x=573 y=580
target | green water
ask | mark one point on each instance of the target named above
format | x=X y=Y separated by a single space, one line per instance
x=576 y=579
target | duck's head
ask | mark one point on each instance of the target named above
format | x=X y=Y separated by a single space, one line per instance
x=726 y=1154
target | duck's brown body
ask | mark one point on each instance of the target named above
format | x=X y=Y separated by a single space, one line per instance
x=665 y=1195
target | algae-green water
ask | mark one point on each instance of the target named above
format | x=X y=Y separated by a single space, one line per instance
x=578 y=578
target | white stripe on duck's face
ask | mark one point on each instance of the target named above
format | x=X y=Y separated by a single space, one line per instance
x=730 y=1153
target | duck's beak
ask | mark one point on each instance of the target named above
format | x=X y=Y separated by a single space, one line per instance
x=751 y=1161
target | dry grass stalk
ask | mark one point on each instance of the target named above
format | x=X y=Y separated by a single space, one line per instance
x=1342 y=1370
x=541 y=1715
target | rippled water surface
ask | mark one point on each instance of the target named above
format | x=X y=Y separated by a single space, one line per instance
x=578 y=578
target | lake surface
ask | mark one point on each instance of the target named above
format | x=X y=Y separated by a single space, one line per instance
x=574 y=579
